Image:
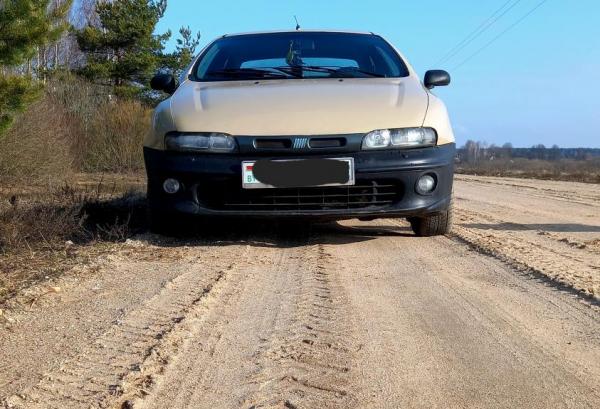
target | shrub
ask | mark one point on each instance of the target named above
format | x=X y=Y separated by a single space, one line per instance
x=113 y=142
x=38 y=146
x=76 y=127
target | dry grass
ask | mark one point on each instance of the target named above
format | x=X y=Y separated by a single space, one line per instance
x=587 y=171
x=43 y=234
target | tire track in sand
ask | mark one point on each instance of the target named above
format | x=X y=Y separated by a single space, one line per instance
x=278 y=337
x=531 y=250
x=96 y=378
x=309 y=364
x=570 y=192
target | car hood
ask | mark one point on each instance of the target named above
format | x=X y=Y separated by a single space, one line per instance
x=299 y=107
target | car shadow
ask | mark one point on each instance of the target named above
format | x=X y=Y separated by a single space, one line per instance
x=124 y=217
x=551 y=227
x=274 y=233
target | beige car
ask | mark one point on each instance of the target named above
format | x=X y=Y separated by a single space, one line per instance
x=301 y=124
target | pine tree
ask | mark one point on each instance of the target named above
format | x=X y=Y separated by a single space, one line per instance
x=186 y=49
x=25 y=25
x=123 y=51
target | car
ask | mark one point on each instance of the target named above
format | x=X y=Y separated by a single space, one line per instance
x=318 y=125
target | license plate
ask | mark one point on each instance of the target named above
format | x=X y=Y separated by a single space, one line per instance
x=299 y=173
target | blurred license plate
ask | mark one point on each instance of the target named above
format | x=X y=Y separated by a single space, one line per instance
x=300 y=173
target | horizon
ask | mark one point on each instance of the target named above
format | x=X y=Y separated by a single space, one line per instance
x=486 y=101
x=500 y=145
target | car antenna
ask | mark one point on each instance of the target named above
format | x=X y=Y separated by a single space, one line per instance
x=297 y=24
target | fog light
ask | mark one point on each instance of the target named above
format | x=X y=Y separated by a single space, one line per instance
x=171 y=186
x=426 y=184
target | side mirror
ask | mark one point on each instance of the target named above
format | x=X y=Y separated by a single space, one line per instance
x=164 y=82
x=436 y=78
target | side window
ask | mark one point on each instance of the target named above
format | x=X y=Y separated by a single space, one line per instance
x=207 y=60
x=385 y=58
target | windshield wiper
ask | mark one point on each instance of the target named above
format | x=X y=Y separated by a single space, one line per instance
x=252 y=72
x=354 y=69
x=318 y=68
x=294 y=71
x=330 y=70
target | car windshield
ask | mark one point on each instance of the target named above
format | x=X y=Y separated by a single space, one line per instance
x=298 y=55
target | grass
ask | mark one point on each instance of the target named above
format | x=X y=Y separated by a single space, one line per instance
x=42 y=234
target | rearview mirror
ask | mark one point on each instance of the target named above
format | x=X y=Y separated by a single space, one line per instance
x=436 y=78
x=164 y=82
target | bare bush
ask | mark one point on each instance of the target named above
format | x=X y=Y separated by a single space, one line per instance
x=114 y=140
x=76 y=127
x=38 y=146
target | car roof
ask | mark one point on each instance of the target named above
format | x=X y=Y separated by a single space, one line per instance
x=299 y=31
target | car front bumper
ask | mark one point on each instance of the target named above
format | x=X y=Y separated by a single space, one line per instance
x=385 y=185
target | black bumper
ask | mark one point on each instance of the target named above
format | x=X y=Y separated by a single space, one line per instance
x=212 y=186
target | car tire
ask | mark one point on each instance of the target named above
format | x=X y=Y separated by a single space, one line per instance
x=437 y=224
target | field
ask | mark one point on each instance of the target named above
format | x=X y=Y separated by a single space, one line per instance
x=570 y=170
x=503 y=313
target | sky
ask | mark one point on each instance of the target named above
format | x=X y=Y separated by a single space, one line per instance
x=537 y=83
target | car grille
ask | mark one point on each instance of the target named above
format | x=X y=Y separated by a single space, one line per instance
x=370 y=194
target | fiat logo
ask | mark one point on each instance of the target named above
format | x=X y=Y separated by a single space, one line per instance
x=300 y=143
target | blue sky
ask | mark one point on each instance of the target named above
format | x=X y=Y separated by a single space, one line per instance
x=537 y=84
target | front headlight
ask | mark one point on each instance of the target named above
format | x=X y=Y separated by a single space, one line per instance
x=202 y=142
x=400 y=138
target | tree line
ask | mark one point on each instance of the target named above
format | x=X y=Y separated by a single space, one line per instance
x=112 y=43
x=475 y=151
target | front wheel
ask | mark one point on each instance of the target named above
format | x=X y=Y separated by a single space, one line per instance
x=436 y=224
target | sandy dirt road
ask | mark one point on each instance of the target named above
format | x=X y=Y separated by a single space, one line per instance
x=549 y=227
x=504 y=314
